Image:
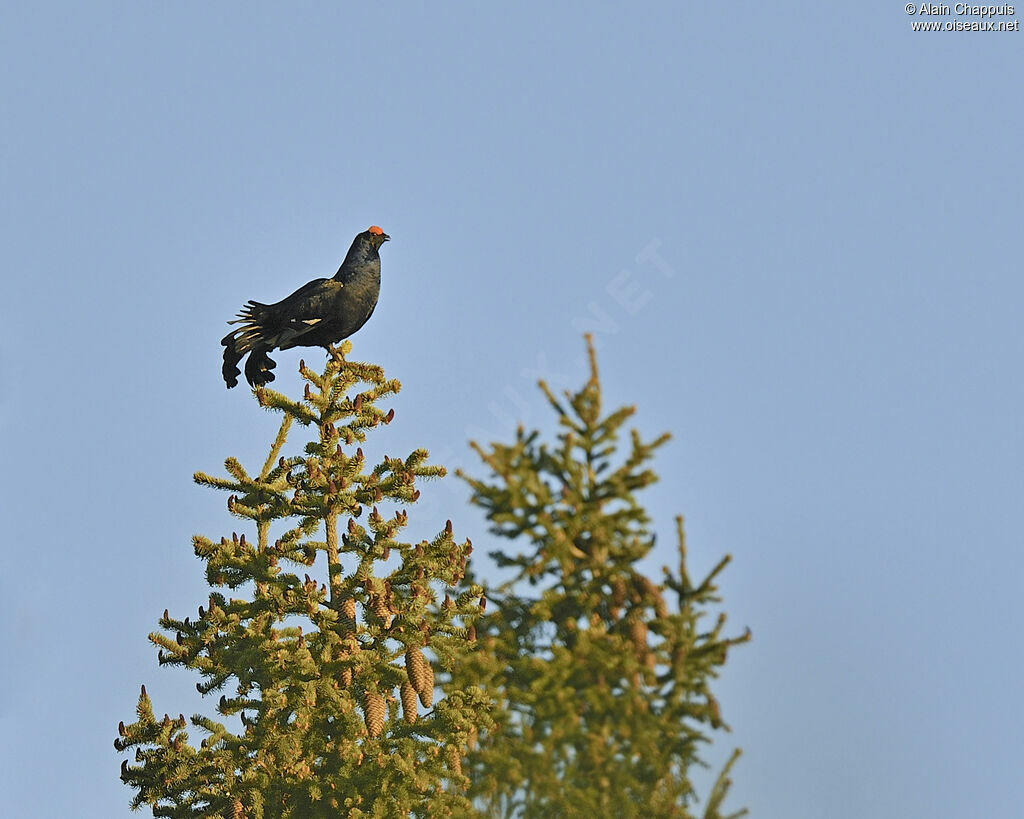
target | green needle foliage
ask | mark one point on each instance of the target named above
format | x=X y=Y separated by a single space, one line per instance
x=603 y=687
x=329 y=685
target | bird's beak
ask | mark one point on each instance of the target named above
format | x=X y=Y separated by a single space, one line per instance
x=385 y=237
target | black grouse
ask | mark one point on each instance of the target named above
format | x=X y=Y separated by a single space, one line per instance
x=318 y=314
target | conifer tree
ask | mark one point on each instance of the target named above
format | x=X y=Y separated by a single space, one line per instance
x=602 y=685
x=328 y=682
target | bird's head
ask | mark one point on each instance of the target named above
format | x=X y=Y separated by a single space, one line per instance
x=376 y=236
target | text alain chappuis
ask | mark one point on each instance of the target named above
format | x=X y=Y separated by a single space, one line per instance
x=963 y=9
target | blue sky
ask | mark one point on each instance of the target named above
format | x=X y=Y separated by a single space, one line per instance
x=795 y=232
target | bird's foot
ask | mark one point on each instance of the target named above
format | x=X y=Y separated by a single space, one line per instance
x=339 y=352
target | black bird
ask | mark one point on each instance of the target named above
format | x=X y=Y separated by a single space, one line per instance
x=318 y=314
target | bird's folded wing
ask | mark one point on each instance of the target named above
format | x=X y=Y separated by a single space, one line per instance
x=301 y=312
x=291 y=330
x=307 y=291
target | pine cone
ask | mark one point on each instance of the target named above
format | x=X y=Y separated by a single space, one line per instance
x=409 y=709
x=418 y=669
x=638 y=632
x=454 y=760
x=618 y=591
x=348 y=612
x=382 y=609
x=374 y=712
x=714 y=713
x=427 y=694
x=655 y=595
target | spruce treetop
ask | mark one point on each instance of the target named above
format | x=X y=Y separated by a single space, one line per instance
x=603 y=684
x=324 y=657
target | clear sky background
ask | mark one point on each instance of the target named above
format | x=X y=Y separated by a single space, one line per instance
x=831 y=328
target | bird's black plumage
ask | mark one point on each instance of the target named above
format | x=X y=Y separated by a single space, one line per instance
x=318 y=314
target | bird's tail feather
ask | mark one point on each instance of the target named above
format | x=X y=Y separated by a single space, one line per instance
x=258 y=368
x=230 y=369
x=247 y=339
